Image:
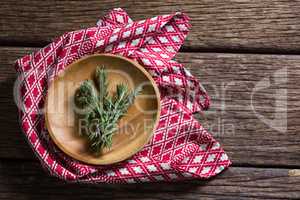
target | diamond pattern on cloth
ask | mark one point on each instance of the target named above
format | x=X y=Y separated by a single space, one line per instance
x=180 y=147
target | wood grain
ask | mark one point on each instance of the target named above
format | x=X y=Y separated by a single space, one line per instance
x=218 y=26
x=234 y=118
x=231 y=119
x=28 y=181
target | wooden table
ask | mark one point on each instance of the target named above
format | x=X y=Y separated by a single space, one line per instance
x=235 y=48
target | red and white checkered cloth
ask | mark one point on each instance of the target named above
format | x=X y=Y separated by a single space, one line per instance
x=180 y=148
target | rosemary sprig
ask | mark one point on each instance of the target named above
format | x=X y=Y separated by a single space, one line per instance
x=85 y=95
x=102 y=111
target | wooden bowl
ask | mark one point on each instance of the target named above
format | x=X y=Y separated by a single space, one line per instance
x=136 y=128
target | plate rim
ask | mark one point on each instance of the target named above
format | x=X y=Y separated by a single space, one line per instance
x=135 y=150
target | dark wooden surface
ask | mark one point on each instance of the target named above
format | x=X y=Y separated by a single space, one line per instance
x=235 y=25
x=30 y=182
x=233 y=45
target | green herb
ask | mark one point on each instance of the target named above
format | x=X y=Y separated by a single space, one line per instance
x=102 y=112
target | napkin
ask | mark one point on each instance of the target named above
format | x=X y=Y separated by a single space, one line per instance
x=180 y=147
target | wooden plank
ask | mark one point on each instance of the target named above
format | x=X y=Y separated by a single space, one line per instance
x=13 y=144
x=248 y=25
x=247 y=139
x=253 y=131
x=28 y=181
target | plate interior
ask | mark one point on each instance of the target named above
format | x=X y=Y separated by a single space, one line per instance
x=135 y=129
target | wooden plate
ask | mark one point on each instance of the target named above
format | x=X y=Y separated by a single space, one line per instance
x=136 y=128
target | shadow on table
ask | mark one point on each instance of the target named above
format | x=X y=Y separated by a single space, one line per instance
x=12 y=142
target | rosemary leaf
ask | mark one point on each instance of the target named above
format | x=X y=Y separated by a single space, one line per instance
x=105 y=111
